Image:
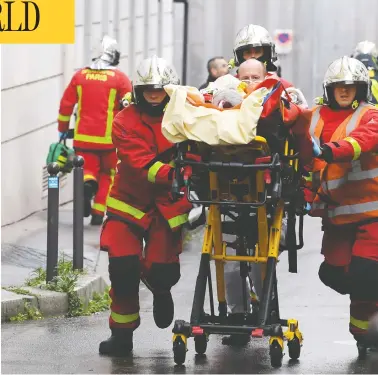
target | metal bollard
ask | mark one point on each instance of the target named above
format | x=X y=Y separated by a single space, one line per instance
x=52 y=221
x=78 y=213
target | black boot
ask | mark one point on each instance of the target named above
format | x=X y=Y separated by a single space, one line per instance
x=119 y=344
x=97 y=219
x=163 y=309
x=88 y=196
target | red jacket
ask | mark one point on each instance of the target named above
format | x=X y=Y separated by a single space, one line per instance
x=98 y=94
x=366 y=134
x=144 y=176
x=347 y=187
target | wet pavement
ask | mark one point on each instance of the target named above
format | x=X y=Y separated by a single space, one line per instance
x=23 y=246
x=71 y=345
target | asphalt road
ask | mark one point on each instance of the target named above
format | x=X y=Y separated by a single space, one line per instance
x=71 y=345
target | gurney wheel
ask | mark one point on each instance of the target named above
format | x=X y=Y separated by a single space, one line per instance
x=179 y=350
x=200 y=344
x=276 y=354
x=294 y=347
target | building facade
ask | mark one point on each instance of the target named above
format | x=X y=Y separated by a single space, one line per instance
x=34 y=76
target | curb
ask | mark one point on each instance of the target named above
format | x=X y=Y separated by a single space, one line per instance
x=48 y=302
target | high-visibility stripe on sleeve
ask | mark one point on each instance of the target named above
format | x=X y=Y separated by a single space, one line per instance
x=356 y=147
x=63 y=118
x=154 y=170
x=127 y=318
x=178 y=220
x=361 y=324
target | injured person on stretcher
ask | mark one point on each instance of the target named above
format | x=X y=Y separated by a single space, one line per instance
x=233 y=111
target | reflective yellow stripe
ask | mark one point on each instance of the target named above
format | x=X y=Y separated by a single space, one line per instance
x=79 y=90
x=63 y=118
x=112 y=175
x=107 y=138
x=118 y=318
x=308 y=178
x=172 y=163
x=356 y=147
x=361 y=324
x=153 y=171
x=124 y=207
x=99 y=207
x=178 y=220
x=88 y=177
x=374 y=89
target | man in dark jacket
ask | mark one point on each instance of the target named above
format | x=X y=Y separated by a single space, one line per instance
x=217 y=67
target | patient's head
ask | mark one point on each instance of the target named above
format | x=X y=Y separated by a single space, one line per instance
x=252 y=72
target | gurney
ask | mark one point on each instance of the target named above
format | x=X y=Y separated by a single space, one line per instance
x=254 y=188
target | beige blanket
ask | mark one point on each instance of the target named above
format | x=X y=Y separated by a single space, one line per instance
x=185 y=121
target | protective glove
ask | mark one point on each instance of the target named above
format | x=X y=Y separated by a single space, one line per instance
x=307 y=208
x=297 y=97
x=326 y=154
x=316 y=150
x=63 y=135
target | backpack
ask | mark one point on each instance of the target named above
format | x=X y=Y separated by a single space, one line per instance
x=60 y=153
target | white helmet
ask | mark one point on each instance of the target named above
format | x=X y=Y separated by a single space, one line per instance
x=348 y=71
x=153 y=72
x=367 y=53
x=255 y=36
x=108 y=51
x=366 y=48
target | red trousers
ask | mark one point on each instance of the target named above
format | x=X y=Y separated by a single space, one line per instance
x=99 y=166
x=157 y=264
x=351 y=267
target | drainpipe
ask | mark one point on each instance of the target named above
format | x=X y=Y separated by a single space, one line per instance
x=160 y=29
x=146 y=28
x=116 y=20
x=87 y=32
x=132 y=35
x=185 y=43
x=105 y=18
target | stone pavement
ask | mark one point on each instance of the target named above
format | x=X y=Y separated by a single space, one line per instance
x=23 y=249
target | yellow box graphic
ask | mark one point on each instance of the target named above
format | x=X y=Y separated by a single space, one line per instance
x=37 y=21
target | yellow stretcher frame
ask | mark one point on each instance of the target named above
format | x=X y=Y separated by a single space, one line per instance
x=266 y=252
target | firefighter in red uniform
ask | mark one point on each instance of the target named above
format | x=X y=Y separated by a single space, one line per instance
x=97 y=90
x=345 y=181
x=140 y=208
x=255 y=42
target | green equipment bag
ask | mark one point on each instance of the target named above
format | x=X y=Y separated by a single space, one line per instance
x=60 y=153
